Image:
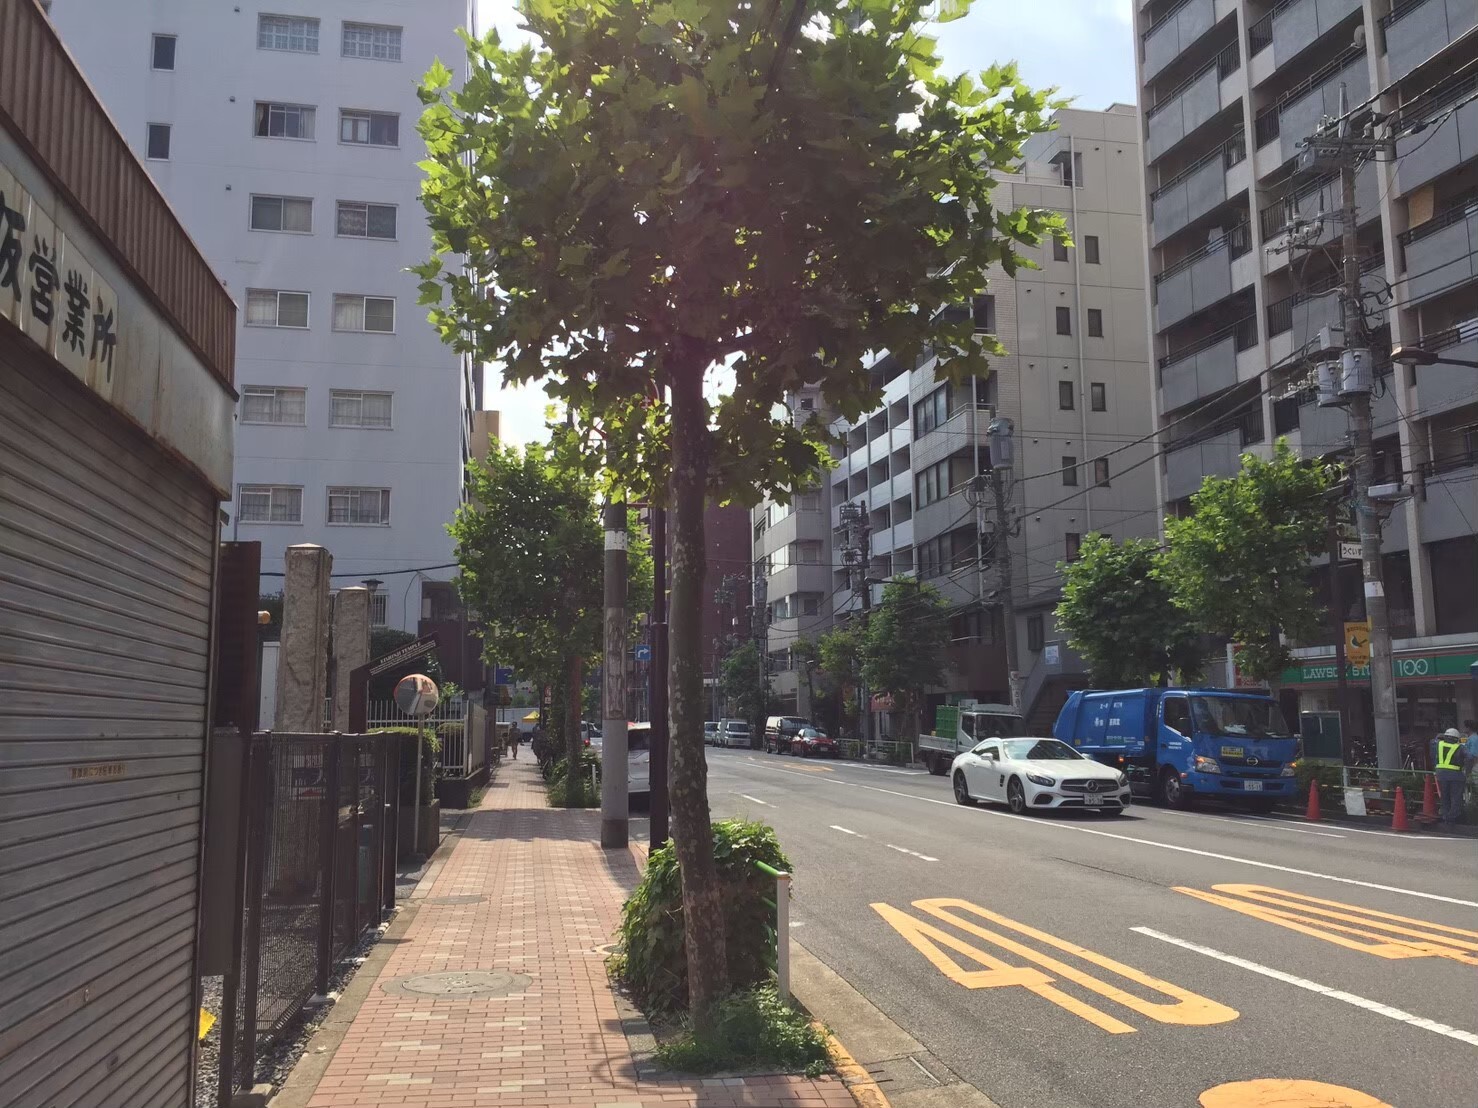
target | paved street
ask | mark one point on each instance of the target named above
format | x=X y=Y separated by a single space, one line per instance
x=1085 y=961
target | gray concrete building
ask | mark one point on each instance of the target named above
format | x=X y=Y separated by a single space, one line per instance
x=1074 y=384
x=1229 y=89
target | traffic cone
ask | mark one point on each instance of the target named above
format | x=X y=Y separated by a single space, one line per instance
x=1398 y=818
x=1313 y=810
x=1429 y=801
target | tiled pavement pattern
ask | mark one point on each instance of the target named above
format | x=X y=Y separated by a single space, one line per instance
x=549 y=897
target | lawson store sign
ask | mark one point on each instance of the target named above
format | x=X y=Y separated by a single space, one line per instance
x=1407 y=667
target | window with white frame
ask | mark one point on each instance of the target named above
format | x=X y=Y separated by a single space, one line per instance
x=368 y=507
x=158 y=148
x=292 y=121
x=369 y=128
x=378 y=608
x=364 y=313
x=371 y=40
x=272 y=404
x=296 y=34
x=358 y=408
x=269 y=503
x=282 y=213
x=276 y=308
x=366 y=221
x=162 y=54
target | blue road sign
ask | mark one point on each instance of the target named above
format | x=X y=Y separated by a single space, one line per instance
x=502 y=675
x=643 y=653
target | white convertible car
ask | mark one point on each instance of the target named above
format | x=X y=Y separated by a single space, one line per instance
x=1031 y=774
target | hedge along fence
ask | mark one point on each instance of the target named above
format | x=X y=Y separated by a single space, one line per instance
x=430 y=748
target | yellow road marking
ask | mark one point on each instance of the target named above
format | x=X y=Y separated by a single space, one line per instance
x=1277 y=1092
x=1364 y=929
x=1187 y=1009
x=800 y=767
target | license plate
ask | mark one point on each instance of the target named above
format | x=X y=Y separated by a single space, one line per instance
x=1252 y=786
x=1092 y=800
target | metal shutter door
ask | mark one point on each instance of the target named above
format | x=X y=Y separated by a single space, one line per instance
x=106 y=550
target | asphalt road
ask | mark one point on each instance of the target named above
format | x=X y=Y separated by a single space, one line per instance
x=1075 y=969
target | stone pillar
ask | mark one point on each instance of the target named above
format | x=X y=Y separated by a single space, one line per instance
x=302 y=660
x=351 y=646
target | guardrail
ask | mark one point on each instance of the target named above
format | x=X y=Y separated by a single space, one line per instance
x=781 y=904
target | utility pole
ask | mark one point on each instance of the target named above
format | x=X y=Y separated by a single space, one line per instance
x=857 y=557
x=760 y=625
x=614 y=809
x=1337 y=625
x=658 y=834
x=1002 y=433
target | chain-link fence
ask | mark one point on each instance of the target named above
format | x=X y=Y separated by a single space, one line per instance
x=317 y=871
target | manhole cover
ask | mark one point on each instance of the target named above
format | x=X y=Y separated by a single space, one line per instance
x=459 y=984
x=462 y=898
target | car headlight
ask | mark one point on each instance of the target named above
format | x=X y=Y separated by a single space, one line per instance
x=1290 y=770
x=1123 y=780
x=1204 y=764
x=1040 y=779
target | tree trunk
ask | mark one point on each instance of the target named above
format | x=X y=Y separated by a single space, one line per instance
x=574 y=745
x=687 y=770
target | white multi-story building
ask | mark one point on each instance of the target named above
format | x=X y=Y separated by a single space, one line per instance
x=285 y=139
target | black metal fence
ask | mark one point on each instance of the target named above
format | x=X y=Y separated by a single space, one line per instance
x=317 y=871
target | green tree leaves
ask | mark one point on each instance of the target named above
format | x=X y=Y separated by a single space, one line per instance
x=902 y=651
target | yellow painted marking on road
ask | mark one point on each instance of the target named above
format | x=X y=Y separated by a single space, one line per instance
x=799 y=767
x=1364 y=929
x=1278 y=1092
x=1187 y=1008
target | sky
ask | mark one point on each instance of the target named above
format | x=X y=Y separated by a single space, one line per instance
x=1085 y=48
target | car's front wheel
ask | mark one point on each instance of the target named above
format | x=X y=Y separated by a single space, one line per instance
x=962 y=791
x=1016 y=796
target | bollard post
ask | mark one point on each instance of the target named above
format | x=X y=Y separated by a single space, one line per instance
x=782 y=934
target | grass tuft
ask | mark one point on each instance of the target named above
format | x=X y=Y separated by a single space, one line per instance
x=753 y=1029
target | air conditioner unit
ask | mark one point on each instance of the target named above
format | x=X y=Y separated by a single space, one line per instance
x=1356 y=376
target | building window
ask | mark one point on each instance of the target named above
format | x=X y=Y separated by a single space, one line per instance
x=163 y=57
x=371 y=40
x=1101 y=471
x=274 y=308
x=282 y=213
x=1064 y=321
x=293 y=33
x=1095 y=323
x=269 y=504
x=366 y=221
x=267 y=404
x=1098 y=396
x=1069 y=470
x=983 y=313
x=357 y=408
x=1059 y=250
x=931 y=484
x=369 y=128
x=1066 y=396
x=377 y=609
x=159 y=142
x=1090 y=249
x=810 y=605
x=1035 y=633
x=292 y=121
x=364 y=313
x=366 y=507
x=931 y=411
x=1072 y=543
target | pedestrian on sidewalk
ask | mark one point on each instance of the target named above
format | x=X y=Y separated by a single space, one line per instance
x=513 y=741
x=1449 y=755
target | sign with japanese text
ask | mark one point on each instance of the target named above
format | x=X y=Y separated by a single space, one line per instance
x=50 y=290
x=1357 y=642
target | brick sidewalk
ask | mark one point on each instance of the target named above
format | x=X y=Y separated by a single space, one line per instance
x=528 y=891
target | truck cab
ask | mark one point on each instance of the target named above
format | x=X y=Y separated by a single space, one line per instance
x=1178 y=744
x=958 y=727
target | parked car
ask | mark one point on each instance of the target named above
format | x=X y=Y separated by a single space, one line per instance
x=779 y=730
x=638 y=757
x=733 y=732
x=811 y=742
x=710 y=732
x=1031 y=774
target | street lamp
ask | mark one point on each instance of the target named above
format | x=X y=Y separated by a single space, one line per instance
x=1415 y=355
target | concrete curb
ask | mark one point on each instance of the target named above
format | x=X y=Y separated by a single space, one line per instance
x=865 y=1091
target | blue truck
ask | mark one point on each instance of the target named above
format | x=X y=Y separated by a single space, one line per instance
x=1177 y=744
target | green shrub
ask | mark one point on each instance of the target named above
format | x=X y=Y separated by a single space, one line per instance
x=751 y=1028
x=589 y=763
x=449 y=731
x=429 y=749
x=651 y=959
x=588 y=795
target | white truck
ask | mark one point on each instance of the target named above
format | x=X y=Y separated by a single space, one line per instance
x=958 y=727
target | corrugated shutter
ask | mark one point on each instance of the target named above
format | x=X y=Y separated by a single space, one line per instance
x=105 y=579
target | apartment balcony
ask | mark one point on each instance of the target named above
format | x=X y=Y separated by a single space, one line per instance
x=1218 y=456
x=1327 y=430
x=1295 y=320
x=1320 y=198
x=1200 y=189
x=1207 y=368
x=1298 y=112
x=1441 y=254
x=1176 y=32
x=1426 y=155
x=803 y=577
x=1192 y=105
x=1441 y=387
x=1416 y=31
x=1451 y=499
x=1204 y=278
x=1289 y=29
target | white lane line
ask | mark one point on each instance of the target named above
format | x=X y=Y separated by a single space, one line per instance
x=911 y=853
x=1295 y=830
x=1314 y=987
x=1407 y=836
x=1056 y=826
x=757 y=800
x=847 y=831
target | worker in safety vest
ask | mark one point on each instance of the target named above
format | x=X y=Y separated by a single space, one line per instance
x=1449 y=756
